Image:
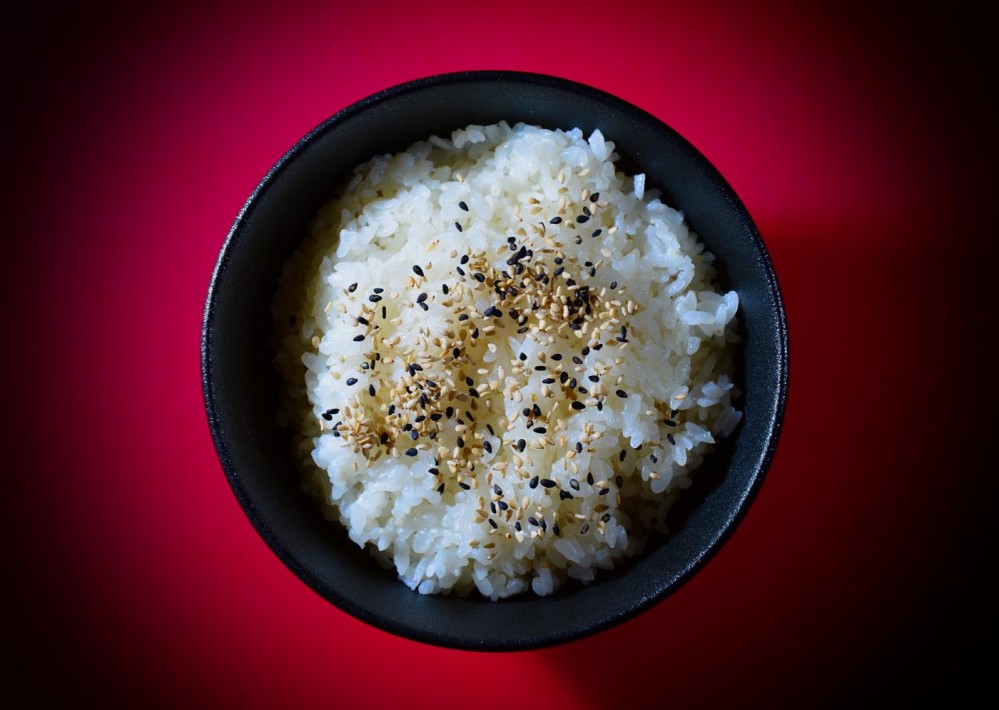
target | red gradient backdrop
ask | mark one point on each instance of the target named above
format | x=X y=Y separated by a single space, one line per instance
x=856 y=136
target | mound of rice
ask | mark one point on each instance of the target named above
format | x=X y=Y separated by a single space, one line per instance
x=503 y=359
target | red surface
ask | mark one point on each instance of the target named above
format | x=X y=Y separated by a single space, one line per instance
x=855 y=138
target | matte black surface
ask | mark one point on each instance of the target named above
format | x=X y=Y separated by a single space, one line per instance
x=240 y=384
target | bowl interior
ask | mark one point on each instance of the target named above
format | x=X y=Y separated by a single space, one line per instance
x=240 y=384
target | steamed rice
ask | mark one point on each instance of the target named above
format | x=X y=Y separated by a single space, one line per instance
x=504 y=359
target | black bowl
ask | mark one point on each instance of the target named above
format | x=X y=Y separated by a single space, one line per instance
x=240 y=384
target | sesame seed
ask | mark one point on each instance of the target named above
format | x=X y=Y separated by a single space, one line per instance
x=463 y=206
x=555 y=220
x=417 y=270
x=411 y=452
x=578 y=405
x=351 y=381
x=533 y=482
x=622 y=394
x=458 y=226
x=374 y=298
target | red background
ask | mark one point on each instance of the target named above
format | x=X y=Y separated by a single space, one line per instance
x=857 y=138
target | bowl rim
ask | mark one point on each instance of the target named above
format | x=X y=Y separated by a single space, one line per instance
x=451 y=639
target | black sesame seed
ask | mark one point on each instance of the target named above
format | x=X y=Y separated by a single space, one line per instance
x=579 y=447
x=585 y=529
x=462 y=317
x=440 y=488
x=358 y=338
x=516 y=526
x=502 y=504
x=534 y=481
x=547 y=483
x=574 y=484
x=461 y=272
x=417 y=270
x=582 y=219
x=603 y=491
x=563 y=376
x=421 y=298
x=411 y=452
x=613 y=284
x=564 y=495
x=351 y=381
x=414 y=435
x=457 y=226
x=672 y=440
x=555 y=220
x=622 y=394
x=327 y=416
x=445 y=289
x=371 y=390
x=537 y=410
x=463 y=206
x=540 y=368
x=653 y=458
x=594 y=197
x=620 y=456
x=491 y=521
x=424 y=306
x=575 y=359
x=521 y=445
x=492 y=508
x=475 y=334
x=378 y=289
x=521 y=331
x=532 y=520
x=480 y=277
x=578 y=405
x=619 y=481
x=374 y=298
x=548 y=381
x=362 y=320
x=544 y=525
x=605 y=517
x=463 y=485
x=540 y=430
x=391 y=409
x=555 y=529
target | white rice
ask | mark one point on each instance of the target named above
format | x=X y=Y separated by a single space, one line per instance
x=509 y=486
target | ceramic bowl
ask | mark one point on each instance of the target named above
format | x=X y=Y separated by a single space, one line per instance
x=240 y=385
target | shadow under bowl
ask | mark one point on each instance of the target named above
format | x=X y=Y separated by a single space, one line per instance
x=240 y=384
